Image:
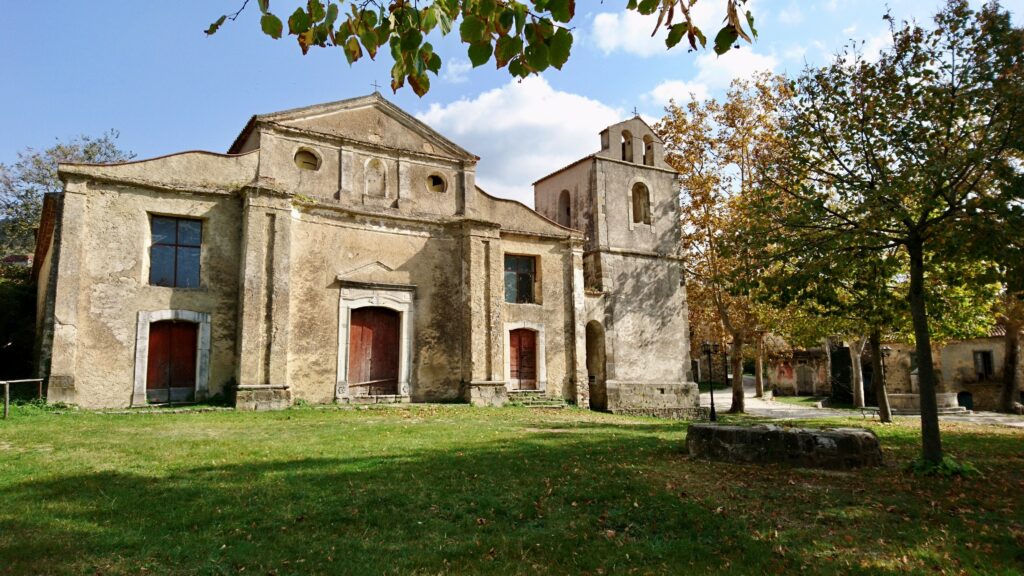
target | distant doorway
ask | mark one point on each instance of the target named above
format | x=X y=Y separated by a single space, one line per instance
x=171 y=366
x=523 y=359
x=965 y=399
x=373 y=351
x=597 y=365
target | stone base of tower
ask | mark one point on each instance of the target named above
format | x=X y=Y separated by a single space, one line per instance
x=661 y=399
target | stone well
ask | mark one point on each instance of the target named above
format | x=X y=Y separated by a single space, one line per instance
x=833 y=448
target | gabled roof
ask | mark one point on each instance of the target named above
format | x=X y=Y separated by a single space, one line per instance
x=375 y=100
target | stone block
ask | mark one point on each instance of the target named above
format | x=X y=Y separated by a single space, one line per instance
x=662 y=399
x=488 y=394
x=262 y=397
x=833 y=448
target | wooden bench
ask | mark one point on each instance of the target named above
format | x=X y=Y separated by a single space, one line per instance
x=869 y=412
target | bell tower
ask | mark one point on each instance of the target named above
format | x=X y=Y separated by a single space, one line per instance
x=625 y=199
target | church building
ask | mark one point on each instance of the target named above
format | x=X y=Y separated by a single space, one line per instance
x=343 y=253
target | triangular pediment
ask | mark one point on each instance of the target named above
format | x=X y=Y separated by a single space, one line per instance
x=371 y=119
x=374 y=272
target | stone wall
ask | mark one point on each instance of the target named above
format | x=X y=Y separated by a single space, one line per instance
x=671 y=399
x=836 y=448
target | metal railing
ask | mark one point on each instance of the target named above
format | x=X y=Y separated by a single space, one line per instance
x=7 y=391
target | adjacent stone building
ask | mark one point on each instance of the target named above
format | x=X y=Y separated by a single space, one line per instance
x=343 y=253
x=969 y=373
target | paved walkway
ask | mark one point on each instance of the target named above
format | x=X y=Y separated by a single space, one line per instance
x=775 y=410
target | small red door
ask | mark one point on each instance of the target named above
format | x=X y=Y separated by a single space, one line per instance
x=171 y=370
x=373 y=352
x=523 y=357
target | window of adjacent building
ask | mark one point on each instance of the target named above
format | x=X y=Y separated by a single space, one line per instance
x=436 y=183
x=174 y=254
x=306 y=160
x=983 y=364
x=641 y=204
x=520 y=279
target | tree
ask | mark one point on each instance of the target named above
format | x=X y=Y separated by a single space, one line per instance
x=720 y=149
x=1002 y=243
x=899 y=153
x=23 y=184
x=523 y=37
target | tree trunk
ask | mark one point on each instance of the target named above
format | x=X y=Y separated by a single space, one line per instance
x=856 y=351
x=737 y=374
x=827 y=345
x=759 y=366
x=931 y=441
x=1010 y=360
x=878 y=376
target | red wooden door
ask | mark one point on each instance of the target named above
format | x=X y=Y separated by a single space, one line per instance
x=171 y=370
x=373 y=352
x=523 y=357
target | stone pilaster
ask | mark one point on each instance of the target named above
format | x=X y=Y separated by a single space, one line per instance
x=264 y=301
x=482 y=293
x=579 y=322
x=69 y=264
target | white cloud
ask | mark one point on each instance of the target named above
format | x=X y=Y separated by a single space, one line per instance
x=795 y=52
x=522 y=131
x=628 y=31
x=874 y=45
x=456 y=71
x=677 y=90
x=791 y=14
x=717 y=72
x=713 y=73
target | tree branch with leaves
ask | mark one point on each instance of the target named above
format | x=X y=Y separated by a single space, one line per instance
x=523 y=37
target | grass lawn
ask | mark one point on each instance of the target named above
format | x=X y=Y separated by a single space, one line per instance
x=808 y=401
x=457 y=490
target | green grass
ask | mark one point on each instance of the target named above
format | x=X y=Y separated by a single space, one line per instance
x=808 y=401
x=457 y=490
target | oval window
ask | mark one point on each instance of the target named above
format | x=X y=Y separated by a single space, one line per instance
x=436 y=183
x=306 y=160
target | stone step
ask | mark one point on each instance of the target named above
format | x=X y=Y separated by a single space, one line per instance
x=534 y=399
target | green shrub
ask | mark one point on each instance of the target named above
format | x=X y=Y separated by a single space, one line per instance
x=947 y=468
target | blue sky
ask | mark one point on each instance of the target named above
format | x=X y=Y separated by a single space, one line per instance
x=147 y=70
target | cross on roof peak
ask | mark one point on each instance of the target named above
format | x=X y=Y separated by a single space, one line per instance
x=376 y=87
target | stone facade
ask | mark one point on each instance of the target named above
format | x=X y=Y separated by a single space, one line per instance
x=321 y=214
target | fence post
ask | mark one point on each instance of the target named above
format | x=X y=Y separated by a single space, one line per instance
x=7 y=399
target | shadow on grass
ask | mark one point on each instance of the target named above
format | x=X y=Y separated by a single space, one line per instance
x=575 y=504
x=532 y=506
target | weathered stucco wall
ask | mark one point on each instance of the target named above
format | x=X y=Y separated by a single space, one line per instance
x=425 y=255
x=553 y=312
x=113 y=285
x=576 y=180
